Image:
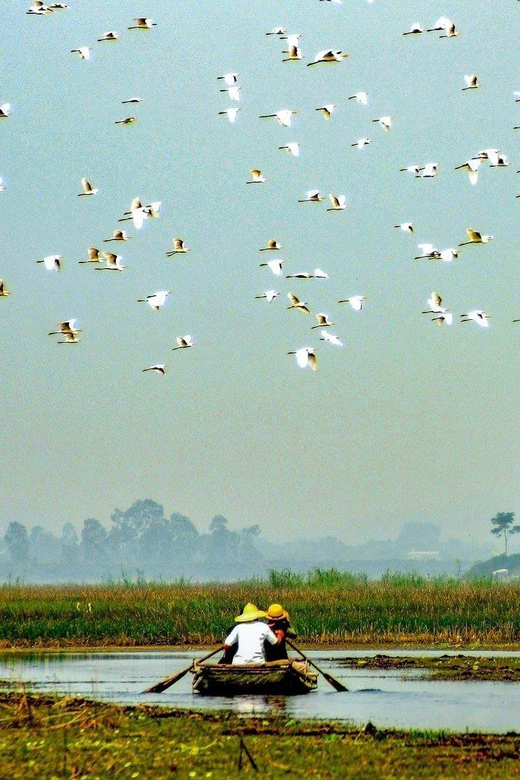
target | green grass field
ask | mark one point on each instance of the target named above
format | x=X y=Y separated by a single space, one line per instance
x=43 y=737
x=327 y=609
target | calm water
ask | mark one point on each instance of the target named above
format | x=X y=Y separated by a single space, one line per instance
x=387 y=698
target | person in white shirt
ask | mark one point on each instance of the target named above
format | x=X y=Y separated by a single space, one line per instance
x=250 y=636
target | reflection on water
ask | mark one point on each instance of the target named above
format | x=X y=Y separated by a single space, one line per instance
x=389 y=698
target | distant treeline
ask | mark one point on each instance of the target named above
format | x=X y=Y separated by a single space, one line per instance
x=142 y=541
x=143 y=544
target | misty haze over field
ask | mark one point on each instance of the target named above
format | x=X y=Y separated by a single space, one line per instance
x=143 y=542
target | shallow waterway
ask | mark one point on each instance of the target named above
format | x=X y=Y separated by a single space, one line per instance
x=388 y=698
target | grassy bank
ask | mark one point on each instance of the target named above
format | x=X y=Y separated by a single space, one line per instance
x=42 y=737
x=332 y=610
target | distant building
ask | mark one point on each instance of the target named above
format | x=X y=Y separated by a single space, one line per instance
x=423 y=555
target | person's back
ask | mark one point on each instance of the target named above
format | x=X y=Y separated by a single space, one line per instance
x=251 y=636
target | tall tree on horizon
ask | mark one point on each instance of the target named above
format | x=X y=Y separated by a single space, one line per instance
x=503 y=522
x=17 y=541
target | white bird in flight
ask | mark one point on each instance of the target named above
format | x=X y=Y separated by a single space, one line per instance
x=328 y=56
x=158 y=368
x=83 y=51
x=39 y=8
x=415 y=29
x=271 y=245
x=283 y=117
x=434 y=302
x=318 y=274
x=143 y=23
x=339 y=202
x=127 y=120
x=88 y=189
x=407 y=227
x=446 y=25
x=472 y=167
x=157 y=300
x=257 y=176
x=109 y=36
x=360 y=97
x=306 y=357
x=52 y=262
x=275 y=266
x=475 y=237
x=113 y=262
x=297 y=304
x=179 y=247
x=66 y=328
x=183 y=342
x=5 y=110
x=292 y=148
x=231 y=113
x=269 y=295
x=233 y=93
x=323 y=321
x=136 y=214
x=478 y=316
x=502 y=161
x=471 y=82
x=361 y=143
x=294 y=53
x=327 y=110
x=94 y=256
x=118 y=235
x=355 y=301
x=312 y=196
x=331 y=338
x=385 y=122
x=229 y=78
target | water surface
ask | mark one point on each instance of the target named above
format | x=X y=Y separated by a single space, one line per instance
x=388 y=698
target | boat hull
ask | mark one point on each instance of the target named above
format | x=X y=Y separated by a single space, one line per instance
x=277 y=678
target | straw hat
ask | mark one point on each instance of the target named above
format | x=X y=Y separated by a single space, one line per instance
x=277 y=612
x=250 y=613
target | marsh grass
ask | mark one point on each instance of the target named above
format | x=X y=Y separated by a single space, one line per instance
x=51 y=738
x=327 y=607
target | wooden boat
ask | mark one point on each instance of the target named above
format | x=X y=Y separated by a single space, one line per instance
x=275 y=678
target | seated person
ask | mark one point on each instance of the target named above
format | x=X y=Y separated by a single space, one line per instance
x=278 y=622
x=250 y=636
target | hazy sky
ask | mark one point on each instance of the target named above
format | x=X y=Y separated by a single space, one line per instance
x=407 y=421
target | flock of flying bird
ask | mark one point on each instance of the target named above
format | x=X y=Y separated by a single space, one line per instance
x=139 y=212
x=306 y=356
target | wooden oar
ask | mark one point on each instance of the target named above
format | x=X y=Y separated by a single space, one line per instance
x=168 y=681
x=330 y=679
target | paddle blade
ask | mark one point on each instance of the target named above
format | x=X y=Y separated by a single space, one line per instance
x=335 y=683
x=168 y=681
x=162 y=685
